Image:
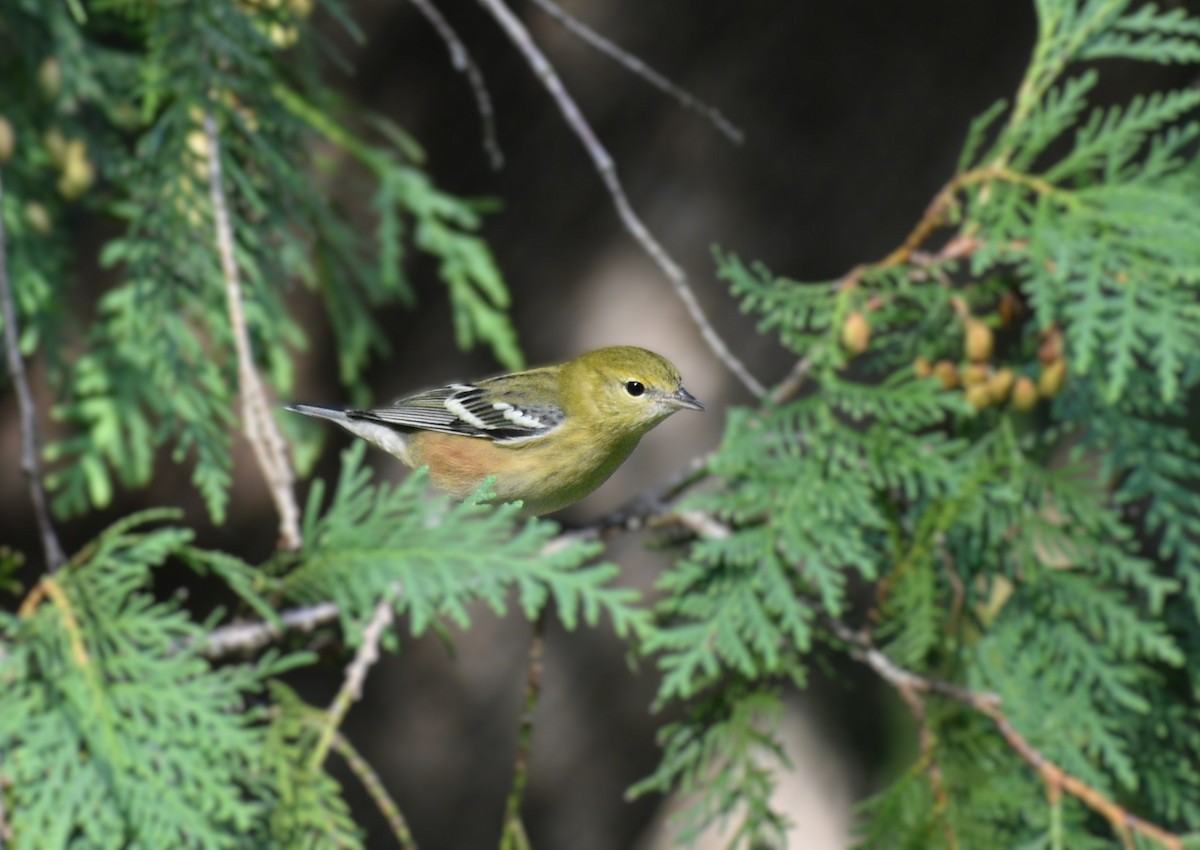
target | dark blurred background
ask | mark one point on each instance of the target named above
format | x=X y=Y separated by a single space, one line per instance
x=854 y=113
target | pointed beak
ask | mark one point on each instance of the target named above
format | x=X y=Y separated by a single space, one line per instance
x=682 y=398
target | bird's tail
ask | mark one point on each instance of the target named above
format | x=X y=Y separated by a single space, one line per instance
x=391 y=439
x=334 y=414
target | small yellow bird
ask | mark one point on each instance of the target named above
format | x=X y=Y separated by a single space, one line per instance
x=549 y=436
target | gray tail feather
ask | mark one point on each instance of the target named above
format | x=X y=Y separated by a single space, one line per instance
x=335 y=414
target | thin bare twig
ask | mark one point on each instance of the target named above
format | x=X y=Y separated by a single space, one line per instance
x=793 y=382
x=247 y=637
x=513 y=836
x=461 y=60
x=375 y=790
x=261 y=431
x=356 y=673
x=637 y=66
x=603 y=162
x=1057 y=779
x=30 y=443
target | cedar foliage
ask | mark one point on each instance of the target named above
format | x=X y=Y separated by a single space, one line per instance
x=1019 y=518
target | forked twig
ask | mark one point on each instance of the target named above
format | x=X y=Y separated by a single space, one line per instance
x=261 y=431
x=637 y=66
x=30 y=443
x=603 y=162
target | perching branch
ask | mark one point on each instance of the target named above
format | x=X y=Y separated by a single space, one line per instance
x=30 y=443
x=1057 y=780
x=603 y=162
x=653 y=506
x=461 y=60
x=261 y=431
x=637 y=66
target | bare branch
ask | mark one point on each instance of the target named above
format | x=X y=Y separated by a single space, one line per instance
x=30 y=443
x=519 y=36
x=248 y=637
x=356 y=673
x=794 y=382
x=1057 y=779
x=261 y=431
x=461 y=60
x=637 y=66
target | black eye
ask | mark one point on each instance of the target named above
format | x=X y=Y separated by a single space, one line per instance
x=634 y=388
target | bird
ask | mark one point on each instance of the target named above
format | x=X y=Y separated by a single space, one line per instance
x=549 y=436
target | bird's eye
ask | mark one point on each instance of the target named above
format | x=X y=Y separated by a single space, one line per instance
x=634 y=388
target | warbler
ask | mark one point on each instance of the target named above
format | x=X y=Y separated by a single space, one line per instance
x=549 y=436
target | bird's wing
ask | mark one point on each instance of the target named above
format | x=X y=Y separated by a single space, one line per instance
x=489 y=409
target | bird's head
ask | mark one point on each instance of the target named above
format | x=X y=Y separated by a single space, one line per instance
x=630 y=389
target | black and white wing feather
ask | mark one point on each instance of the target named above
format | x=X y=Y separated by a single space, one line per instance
x=498 y=409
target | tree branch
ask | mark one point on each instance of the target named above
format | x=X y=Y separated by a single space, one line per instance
x=1057 y=779
x=248 y=637
x=689 y=101
x=639 y=512
x=356 y=673
x=269 y=447
x=603 y=163
x=461 y=61
x=30 y=443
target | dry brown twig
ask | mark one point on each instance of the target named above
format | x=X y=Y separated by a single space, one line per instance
x=30 y=442
x=263 y=435
x=603 y=163
x=460 y=60
x=1056 y=779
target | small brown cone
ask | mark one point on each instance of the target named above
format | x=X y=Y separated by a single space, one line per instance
x=947 y=373
x=1052 y=378
x=8 y=140
x=856 y=333
x=1000 y=383
x=977 y=341
x=1024 y=394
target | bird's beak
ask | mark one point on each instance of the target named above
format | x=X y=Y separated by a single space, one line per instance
x=682 y=398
